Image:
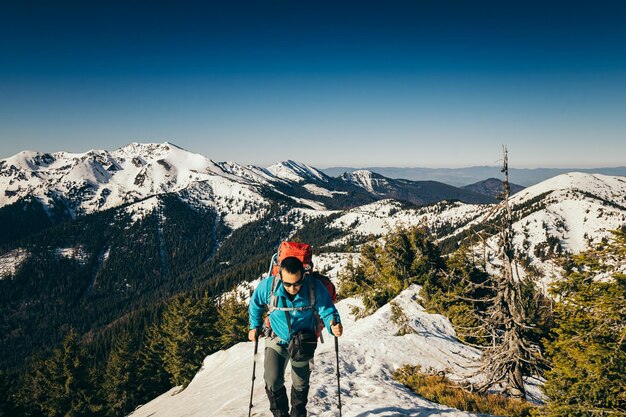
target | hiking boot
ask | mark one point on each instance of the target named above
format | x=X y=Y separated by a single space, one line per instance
x=279 y=403
x=298 y=402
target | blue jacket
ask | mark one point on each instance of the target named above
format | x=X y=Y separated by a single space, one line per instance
x=300 y=320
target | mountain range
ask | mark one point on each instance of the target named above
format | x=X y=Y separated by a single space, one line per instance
x=99 y=179
x=463 y=176
x=99 y=241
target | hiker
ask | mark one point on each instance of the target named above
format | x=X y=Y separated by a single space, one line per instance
x=292 y=334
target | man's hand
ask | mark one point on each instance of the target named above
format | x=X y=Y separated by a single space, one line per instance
x=337 y=329
x=252 y=335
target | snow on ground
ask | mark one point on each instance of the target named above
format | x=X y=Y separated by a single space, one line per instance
x=373 y=219
x=313 y=204
x=331 y=264
x=143 y=208
x=381 y=217
x=366 y=179
x=11 y=261
x=369 y=352
x=77 y=253
x=314 y=189
x=612 y=188
x=237 y=203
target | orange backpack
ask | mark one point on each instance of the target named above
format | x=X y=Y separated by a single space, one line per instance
x=303 y=252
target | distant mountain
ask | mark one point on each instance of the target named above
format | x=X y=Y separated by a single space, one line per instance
x=565 y=214
x=74 y=184
x=462 y=176
x=417 y=192
x=491 y=187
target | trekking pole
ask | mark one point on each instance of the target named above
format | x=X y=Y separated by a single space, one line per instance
x=256 y=348
x=338 y=378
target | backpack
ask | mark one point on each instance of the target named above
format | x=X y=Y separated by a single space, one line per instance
x=304 y=253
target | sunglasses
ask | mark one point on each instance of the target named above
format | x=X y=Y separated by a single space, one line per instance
x=292 y=284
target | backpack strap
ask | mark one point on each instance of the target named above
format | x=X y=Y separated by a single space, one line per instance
x=312 y=298
x=273 y=262
x=312 y=301
x=288 y=318
x=273 y=300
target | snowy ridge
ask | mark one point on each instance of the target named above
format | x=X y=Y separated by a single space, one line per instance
x=237 y=203
x=612 y=188
x=383 y=216
x=141 y=209
x=369 y=352
x=97 y=180
x=366 y=179
x=249 y=172
x=566 y=214
x=296 y=172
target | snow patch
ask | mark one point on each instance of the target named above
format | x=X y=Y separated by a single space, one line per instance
x=77 y=253
x=11 y=262
x=140 y=210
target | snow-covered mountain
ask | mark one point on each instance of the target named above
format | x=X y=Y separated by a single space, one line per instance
x=565 y=214
x=417 y=192
x=83 y=183
x=98 y=179
x=368 y=180
x=296 y=172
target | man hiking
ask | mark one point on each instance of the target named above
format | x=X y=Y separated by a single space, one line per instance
x=292 y=335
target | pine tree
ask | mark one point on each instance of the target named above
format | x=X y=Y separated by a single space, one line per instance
x=62 y=385
x=119 y=387
x=78 y=381
x=407 y=256
x=9 y=396
x=589 y=352
x=189 y=334
x=153 y=379
x=45 y=386
x=233 y=321
x=457 y=294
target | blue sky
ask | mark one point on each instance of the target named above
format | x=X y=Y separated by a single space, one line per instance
x=431 y=84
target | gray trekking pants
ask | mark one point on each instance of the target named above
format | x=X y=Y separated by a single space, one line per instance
x=276 y=358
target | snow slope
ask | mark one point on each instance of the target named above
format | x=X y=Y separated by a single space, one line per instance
x=383 y=216
x=369 y=352
x=296 y=172
x=366 y=179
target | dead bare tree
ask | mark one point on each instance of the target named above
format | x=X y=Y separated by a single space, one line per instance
x=510 y=355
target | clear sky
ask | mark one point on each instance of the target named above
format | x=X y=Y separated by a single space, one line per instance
x=330 y=83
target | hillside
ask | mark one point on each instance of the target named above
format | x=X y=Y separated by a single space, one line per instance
x=416 y=192
x=491 y=187
x=222 y=386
